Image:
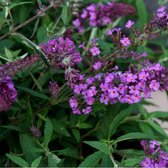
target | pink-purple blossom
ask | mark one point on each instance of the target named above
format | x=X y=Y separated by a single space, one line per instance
x=90 y=100
x=125 y=42
x=113 y=93
x=76 y=23
x=154 y=85
x=113 y=30
x=97 y=65
x=73 y=103
x=143 y=75
x=134 y=90
x=95 y=51
x=104 y=99
x=87 y=110
x=109 y=78
x=129 y=24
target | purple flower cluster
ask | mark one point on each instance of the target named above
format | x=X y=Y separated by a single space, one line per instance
x=73 y=77
x=115 y=34
x=161 y=18
x=156 y=157
x=124 y=87
x=132 y=54
x=137 y=37
x=61 y=52
x=54 y=89
x=8 y=93
x=36 y=132
x=102 y=14
x=11 y=68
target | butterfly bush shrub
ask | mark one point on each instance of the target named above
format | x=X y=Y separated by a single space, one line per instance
x=74 y=79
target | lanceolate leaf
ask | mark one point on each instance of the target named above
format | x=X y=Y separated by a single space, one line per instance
x=91 y=160
x=20 y=3
x=18 y=160
x=53 y=160
x=101 y=146
x=118 y=119
x=34 y=93
x=48 y=130
x=142 y=15
x=134 y=135
x=28 y=147
x=66 y=16
x=36 y=162
x=158 y=114
x=132 y=161
x=158 y=128
x=34 y=46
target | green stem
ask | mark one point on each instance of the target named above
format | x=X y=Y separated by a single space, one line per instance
x=111 y=156
x=112 y=159
x=29 y=20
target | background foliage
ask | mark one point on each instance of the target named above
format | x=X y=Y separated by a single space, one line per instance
x=108 y=137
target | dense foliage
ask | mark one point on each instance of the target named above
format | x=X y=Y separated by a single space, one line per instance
x=74 y=79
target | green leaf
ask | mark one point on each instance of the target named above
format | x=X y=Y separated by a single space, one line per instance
x=60 y=127
x=7 y=10
x=8 y=54
x=106 y=46
x=70 y=152
x=108 y=117
x=36 y=82
x=11 y=127
x=134 y=135
x=142 y=13
x=76 y=134
x=118 y=119
x=48 y=131
x=91 y=160
x=106 y=161
x=32 y=45
x=130 y=153
x=35 y=27
x=146 y=128
x=85 y=125
x=101 y=146
x=20 y=3
x=29 y=110
x=53 y=160
x=92 y=36
x=132 y=162
x=64 y=14
x=36 y=162
x=33 y=93
x=41 y=34
x=3 y=57
x=28 y=147
x=158 y=114
x=158 y=128
x=18 y=160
